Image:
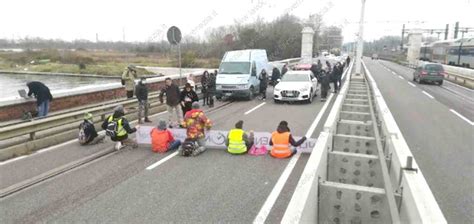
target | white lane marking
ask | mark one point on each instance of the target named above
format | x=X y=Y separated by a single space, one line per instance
x=58 y=146
x=256 y=107
x=394 y=73
x=462 y=117
x=400 y=77
x=154 y=165
x=430 y=96
x=411 y=84
x=271 y=199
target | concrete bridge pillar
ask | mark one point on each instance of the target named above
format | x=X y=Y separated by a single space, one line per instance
x=414 y=45
x=307 y=44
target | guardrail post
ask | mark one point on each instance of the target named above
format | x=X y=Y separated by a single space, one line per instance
x=408 y=167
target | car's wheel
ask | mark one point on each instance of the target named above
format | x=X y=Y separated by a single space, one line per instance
x=277 y=101
x=440 y=82
x=414 y=79
x=419 y=80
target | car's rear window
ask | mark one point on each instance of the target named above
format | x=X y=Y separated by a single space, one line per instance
x=434 y=67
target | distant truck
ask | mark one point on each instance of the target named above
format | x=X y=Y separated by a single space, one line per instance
x=238 y=73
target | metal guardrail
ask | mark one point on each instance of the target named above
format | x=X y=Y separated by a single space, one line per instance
x=30 y=128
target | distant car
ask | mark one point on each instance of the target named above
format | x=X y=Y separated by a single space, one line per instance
x=302 y=67
x=429 y=72
x=375 y=56
x=296 y=86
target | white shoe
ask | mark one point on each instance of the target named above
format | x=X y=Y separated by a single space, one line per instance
x=118 y=146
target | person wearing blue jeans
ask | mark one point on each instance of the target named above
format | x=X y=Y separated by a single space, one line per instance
x=43 y=96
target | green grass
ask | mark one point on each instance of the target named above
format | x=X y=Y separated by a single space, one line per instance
x=96 y=62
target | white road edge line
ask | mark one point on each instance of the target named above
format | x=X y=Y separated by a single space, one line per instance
x=271 y=199
x=57 y=146
x=256 y=107
x=430 y=96
x=462 y=117
x=394 y=73
x=411 y=84
x=161 y=161
x=401 y=77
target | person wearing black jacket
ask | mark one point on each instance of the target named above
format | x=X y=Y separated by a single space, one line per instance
x=188 y=97
x=275 y=76
x=205 y=88
x=173 y=98
x=122 y=128
x=142 y=96
x=284 y=70
x=336 y=76
x=263 y=84
x=43 y=96
x=212 y=87
x=325 y=80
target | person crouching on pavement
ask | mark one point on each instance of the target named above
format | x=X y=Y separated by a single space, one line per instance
x=282 y=140
x=117 y=127
x=162 y=139
x=188 y=97
x=238 y=142
x=87 y=133
x=195 y=121
x=142 y=96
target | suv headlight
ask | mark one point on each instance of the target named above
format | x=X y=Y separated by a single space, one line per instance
x=277 y=89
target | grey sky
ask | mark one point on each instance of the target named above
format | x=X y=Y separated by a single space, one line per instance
x=145 y=19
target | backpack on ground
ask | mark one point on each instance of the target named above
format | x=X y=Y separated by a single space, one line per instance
x=82 y=137
x=112 y=127
x=188 y=147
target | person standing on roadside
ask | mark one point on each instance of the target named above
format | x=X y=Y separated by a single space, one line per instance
x=172 y=101
x=348 y=60
x=275 y=75
x=205 y=88
x=43 y=96
x=263 y=84
x=284 y=70
x=212 y=87
x=325 y=80
x=187 y=98
x=142 y=96
x=128 y=79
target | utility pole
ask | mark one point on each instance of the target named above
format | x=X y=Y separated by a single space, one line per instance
x=403 y=36
x=456 y=30
x=446 y=32
x=360 y=44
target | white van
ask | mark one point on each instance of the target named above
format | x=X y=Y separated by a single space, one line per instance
x=238 y=73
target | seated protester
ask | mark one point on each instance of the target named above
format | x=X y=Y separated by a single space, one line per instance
x=281 y=141
x=238 y=142
x=162 y=139
x=195 y=122
x=87 y=133
x=117 y=127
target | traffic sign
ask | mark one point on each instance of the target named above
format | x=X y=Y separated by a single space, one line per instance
x=174 y=35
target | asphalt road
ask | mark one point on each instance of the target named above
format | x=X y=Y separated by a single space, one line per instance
x=441 y=141
x=213 y=187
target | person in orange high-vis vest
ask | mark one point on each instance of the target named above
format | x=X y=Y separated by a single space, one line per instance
x=162 y=139
x=282 y=140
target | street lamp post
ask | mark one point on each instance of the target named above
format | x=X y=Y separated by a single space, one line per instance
x=360 y=44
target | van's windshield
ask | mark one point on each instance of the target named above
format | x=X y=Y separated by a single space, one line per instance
x=234 y=68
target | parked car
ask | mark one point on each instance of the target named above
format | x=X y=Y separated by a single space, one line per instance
x=429 y=72
x=375 y=56
x=296 y=86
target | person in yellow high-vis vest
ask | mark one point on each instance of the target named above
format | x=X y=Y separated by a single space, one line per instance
x=238 y=142
x=282 y=140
